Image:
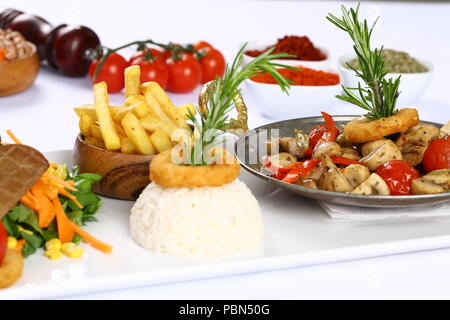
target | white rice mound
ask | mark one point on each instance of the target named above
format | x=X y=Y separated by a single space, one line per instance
x=204 y=222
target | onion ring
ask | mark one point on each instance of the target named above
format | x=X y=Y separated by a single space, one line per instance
x=360 y=131
x=168 y=174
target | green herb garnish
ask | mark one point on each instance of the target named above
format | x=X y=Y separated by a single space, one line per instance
x=222 y=99
x=378 y=96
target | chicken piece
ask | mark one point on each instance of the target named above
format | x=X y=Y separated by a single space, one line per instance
x=331 y=149
x=434 y=182
x=291 y=145
x=414 y=142
x=356 y=174
x=282 y=160
x=386 y=152
x=445 y=130
x=309 y=183
x=374 y=185
x=350 y=153
x=333 y=179
x=273 y=146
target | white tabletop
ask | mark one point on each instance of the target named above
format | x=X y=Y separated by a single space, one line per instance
x=43 y=118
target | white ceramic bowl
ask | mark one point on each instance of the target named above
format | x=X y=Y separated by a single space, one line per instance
x=263 y=44
x=302 y=101
x=412 y=85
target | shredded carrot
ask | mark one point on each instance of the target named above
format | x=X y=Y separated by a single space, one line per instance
x=13 y=137
x=97 y=244
x=2 y=55
x=70 y=182
x=27 y=202
x=46 y=212
x=53 y=165
x=71 y=197
x=19 y=246
x=59 y=181
x=65 y=230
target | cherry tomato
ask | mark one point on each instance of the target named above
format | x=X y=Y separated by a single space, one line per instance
x=154 y=71
x=213 y=64
x=138 y=56
x=112 y=72
x=398 y=175
x=437 y=155
x=3 y=241
x=202 y=44
x=184 y=74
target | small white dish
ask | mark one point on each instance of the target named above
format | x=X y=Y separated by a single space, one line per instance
x=412 y=85
x=263 y=44
x=302 y=101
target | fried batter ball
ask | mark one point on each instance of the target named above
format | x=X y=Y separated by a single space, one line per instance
x=360 y=131
x=11 y=268
x=166 y=173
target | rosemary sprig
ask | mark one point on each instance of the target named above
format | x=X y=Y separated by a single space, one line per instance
x=212 y=124
x=378 y=95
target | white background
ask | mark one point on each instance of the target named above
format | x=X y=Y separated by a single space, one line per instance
x=43 y=117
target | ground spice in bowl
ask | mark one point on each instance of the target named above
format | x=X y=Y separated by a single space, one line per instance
x=302 y=77
x=301 y=47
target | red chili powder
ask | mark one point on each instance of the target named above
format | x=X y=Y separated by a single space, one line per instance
x=303 y=77
x=301 y=47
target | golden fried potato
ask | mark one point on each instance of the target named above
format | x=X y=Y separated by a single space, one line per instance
x=96 y=132
x=360 y=131
x=155 y=108
x=93 y=141
x=109 y=133
x=11 y=268
x=183 y=110
x=160 y=140
x=127 y=146
x=137 y=134
x=85 y=124
x=132 y=80
x=88 y=109
x=152 y=124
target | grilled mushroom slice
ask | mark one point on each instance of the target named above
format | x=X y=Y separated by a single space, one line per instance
x=317 y=173
x=331 y=149
x=350 y=153
x=374 y=185
x=434 y=182
x=369 y=147
x=291 y=145
x=385 y=152
x=333 y=179
x=414 y=142
x=282 y=160
x=356 y=174
x=445 y=130
x=309 y=183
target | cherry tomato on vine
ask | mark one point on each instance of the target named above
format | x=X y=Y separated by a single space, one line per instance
x=155 y=71
x=3 y=241
x=437 y=155
x=112 y=72
x=202 y=44
x=185 y=74
x=213 y=64
x=398 y=175
x=139 y=55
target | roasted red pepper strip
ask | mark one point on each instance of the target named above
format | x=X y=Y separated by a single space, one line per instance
x=331 y=131
x=274 y=170
x=309 y=152
x=345 y=161
x=301 y=170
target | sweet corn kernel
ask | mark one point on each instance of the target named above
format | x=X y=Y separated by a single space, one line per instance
x=53 y=254
x=53 y=244
x=12 y=242
x=61 y=171
x=71 y=250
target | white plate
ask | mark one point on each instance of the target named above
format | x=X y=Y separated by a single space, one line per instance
x=299 y=233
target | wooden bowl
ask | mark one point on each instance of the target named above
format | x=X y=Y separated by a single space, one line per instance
x=124 y=175
x=17 y=75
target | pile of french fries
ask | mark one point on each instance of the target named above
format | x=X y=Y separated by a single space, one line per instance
x=145 y=124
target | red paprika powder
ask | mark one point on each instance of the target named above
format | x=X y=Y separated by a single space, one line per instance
x=302 y=77
x=301 y=47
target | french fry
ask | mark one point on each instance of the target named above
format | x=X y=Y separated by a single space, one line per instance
x=133 y=99
x=132 y=80
x=114 y=110
x=163 y=99
x=95 y=142
x=152 y=124
x=137 y=134
x=120 y=130
x=96 y=132
x=109 y=133
x=88 y=109
x=183 y=110
x=85 y=124
x=141 y=109
x=155 y=108
x=127 y=146
x=160 y=140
